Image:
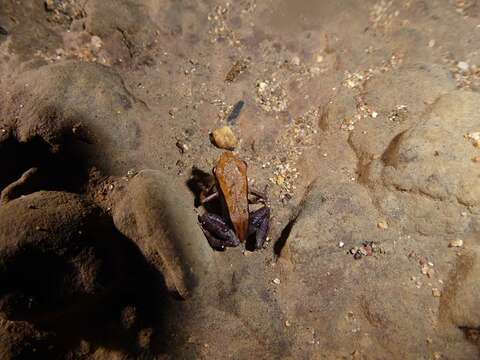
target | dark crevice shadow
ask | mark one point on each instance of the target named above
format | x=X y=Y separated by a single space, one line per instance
x=57 y=169
x=200 y=182
x=282 y=239
x=138 y=308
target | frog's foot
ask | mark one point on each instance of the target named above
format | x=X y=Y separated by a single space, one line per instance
x=217 y=231
x=259 y=224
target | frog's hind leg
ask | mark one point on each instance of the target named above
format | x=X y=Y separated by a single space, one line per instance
x=259 y=224
x=214 y=242
x=217 y=231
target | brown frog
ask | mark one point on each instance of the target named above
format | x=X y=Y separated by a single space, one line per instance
x=236 y=223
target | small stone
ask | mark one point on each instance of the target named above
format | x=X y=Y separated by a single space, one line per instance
x=296 y=60
x=429 y=340
x=280 y=180
x=462 y=65
x=287 y=323
x=374 y=114
x=476 y=159
x=456 y=243
x=430 y=272
x=436 y=292
x=431 y=43
x=224 y=138
x=319 y=58
x=262 y=86
x=382 y=225
x=276 y=281
x=341 y=244
x=437 y=355
x=96 y=42
x=424 y=269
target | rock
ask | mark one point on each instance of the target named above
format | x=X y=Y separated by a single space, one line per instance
x=382 y=225
x=295 y=60
x=224 y=138
x=89 y=98
x=332 y=212
x=428 y=158
x=460 y=303
x=58 y=252
x=456 y=243
x=156 y=212
x=128 y=32
x=463 y=66
x=21 y=340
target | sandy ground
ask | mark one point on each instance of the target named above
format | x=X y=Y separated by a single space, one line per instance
x=359 y=119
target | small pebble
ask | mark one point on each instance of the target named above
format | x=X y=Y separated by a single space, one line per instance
x=287 y=323
x=425 y=269
x=431 y=43
x=374 y=114
x=382 y=225
x=341 y=244
x=224 y=138
x=456 y=243
x=436 y=292
x=296 y=60
x=462 y=65
x=276 y=281
x=476 y=159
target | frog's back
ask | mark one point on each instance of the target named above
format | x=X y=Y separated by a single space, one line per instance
x=231 y=175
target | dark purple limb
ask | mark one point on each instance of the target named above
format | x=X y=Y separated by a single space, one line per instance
x=217 y=231
x=259 y=225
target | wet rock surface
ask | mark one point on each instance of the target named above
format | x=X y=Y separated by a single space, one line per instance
x=359 y=120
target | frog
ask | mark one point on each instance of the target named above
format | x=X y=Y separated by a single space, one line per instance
x=236 y=223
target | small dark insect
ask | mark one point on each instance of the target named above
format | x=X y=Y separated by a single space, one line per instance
x=235 y=112
x=3 y=31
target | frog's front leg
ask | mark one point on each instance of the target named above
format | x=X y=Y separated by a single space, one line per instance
x=217 y=231
x=259 y=224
